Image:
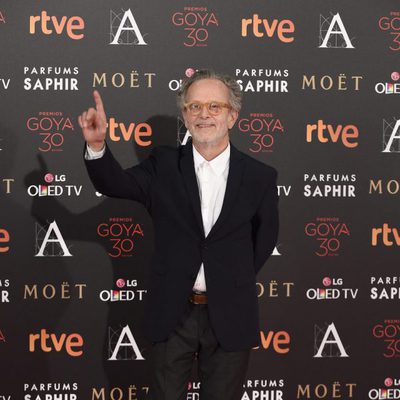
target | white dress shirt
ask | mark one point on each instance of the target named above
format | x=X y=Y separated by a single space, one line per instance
x=211 y=180
x=91 y=154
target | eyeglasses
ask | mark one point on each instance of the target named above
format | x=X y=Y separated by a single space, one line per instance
x=213 y=107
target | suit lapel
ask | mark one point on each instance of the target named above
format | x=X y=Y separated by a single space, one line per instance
x=236 y=166
x=189 y=177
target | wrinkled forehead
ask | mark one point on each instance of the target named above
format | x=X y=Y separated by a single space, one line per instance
x=205 y=90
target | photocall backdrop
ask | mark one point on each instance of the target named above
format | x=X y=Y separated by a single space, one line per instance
x=320 y=81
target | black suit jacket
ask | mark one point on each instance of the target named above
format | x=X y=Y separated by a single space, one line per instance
x=239 y=243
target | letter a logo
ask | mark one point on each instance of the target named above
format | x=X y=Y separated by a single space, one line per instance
x=394 y=135
x=339 y=31
x=131 y=342
x=131 y=26
x=57 y=247
x=334 y=342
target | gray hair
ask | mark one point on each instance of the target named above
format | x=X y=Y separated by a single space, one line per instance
x=235 y=94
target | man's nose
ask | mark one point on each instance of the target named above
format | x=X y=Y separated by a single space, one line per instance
x=204 y=113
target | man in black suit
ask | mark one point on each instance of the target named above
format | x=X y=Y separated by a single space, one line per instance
x=215 y=215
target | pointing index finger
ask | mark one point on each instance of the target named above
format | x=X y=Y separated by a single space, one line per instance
x=98 y=101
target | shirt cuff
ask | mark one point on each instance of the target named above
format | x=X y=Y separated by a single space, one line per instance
x=91 y=154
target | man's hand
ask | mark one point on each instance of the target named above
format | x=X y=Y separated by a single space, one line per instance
x=94 y=124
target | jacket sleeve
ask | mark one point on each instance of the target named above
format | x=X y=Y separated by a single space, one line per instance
x=133 y=183
x=266 y=225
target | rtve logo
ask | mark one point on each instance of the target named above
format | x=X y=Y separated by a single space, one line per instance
x=118 y=130
x=71 y=343
x=385 y=232
x=72 y=25
x=325 y=133
x=4 y=240
x=262 y=27
x=277 y=341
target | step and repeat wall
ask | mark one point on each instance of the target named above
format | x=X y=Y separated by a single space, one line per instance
x=320 y=81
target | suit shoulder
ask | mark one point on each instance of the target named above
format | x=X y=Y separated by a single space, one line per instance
x=164 y=151
x=259 y=167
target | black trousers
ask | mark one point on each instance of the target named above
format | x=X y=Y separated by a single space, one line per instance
x=221 y=373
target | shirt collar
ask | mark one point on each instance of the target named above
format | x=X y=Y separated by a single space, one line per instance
x=218 y=164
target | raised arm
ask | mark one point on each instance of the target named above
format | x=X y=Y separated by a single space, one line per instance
x=94 y=124
x=105 y=172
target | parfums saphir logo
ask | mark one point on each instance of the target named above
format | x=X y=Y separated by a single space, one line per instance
x=262 y=80
x=329 y=185
x=48 y=78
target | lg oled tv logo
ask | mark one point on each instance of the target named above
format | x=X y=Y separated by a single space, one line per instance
x=391 y=390
x=4 y=82
x=389 y=87
x=54 y=187
x=131 y=293
x=333 y=290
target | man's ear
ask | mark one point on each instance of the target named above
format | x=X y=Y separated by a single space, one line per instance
x=233 y=116
x=183 y=118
